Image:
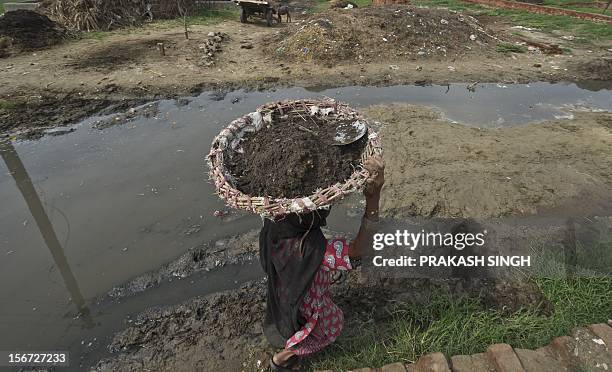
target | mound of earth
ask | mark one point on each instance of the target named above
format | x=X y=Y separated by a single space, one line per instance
x=382 y=33
x=29 y=30
x=292 y=159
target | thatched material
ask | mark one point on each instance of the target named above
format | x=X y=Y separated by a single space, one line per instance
x=103 y=15
x=229 y=138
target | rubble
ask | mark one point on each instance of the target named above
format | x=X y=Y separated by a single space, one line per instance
x=212 y=46
x=379 y=33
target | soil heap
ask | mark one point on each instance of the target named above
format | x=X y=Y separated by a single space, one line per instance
x=382 y=33
x=292 y=159
x=28 y=30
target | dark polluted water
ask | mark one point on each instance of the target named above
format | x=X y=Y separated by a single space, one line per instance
x=91 y=209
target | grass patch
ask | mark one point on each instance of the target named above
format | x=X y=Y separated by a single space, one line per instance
x=579 y=5
x=510 y=48
x=6 y=105
x=462 y=326
x=2 y=6
x=204 y=17
x=321 y=5
x=581 y=28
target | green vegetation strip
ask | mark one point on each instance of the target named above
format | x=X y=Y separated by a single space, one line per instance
x=459 y=326
x=589 y=31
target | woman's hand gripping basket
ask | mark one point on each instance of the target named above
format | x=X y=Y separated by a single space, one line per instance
x=229 y=140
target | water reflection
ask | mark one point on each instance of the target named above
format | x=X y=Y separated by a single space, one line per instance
x=26 y=187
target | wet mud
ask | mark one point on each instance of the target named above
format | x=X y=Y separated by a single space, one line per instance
x=439 y=169
x=294 y=158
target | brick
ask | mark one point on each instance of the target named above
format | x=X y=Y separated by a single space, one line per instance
x=602 y=331
x=561 y=347
x=393 y=367
x=503 y=358
x=470 y=363
x=462 y=363
x=532 y=361
x=435 y=362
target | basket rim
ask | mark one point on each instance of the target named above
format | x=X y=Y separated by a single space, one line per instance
x=275 y=207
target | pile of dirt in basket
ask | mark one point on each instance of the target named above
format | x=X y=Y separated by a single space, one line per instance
x=292 y=159
x=28 y=30
x=382 y=33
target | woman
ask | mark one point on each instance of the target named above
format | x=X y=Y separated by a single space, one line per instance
x=300 y=315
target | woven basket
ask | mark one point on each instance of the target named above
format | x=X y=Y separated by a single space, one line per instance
x=229 y=139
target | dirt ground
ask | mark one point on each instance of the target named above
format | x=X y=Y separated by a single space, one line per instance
x=436 y=168
x=59 y=85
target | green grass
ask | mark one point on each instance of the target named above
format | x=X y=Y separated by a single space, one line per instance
x=2 y=5
x=507 y=48
x=321 y=5
x=587 y=30
x=6 y=105
x=202 y=18
x=462 y=326
x=571 y=4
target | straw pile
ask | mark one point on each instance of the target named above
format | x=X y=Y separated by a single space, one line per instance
x=228 y=142
x=103 y=15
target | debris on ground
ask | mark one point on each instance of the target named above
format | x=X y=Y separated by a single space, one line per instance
x=212 y=46
x=25 y=30
x=379 y=33
x=147 y=111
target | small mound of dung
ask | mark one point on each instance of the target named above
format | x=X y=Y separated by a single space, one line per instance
x=293 y=158
x=382 y=33
x=29 y=30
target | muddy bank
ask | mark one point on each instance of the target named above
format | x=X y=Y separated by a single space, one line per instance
x=224 y=332
x=28 y=116
x=436 y=168
x=206 y=257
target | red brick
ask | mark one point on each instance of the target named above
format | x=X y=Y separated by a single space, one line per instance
x=461 y=363
x=393 y=367
x=561 y=346
x=503 y=358
x=602 y=331
x=435 y=362
x=470 y=363
x=532 y=361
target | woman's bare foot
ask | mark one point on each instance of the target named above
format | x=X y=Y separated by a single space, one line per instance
x=282 y=358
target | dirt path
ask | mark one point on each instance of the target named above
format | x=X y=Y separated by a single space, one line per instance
x=61 y=84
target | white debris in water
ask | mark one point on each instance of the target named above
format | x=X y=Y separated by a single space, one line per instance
x=599 y=341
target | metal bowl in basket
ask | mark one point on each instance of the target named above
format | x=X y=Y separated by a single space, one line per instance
x=229 y=140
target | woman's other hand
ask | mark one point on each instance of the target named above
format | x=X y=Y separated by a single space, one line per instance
x=376 y=166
